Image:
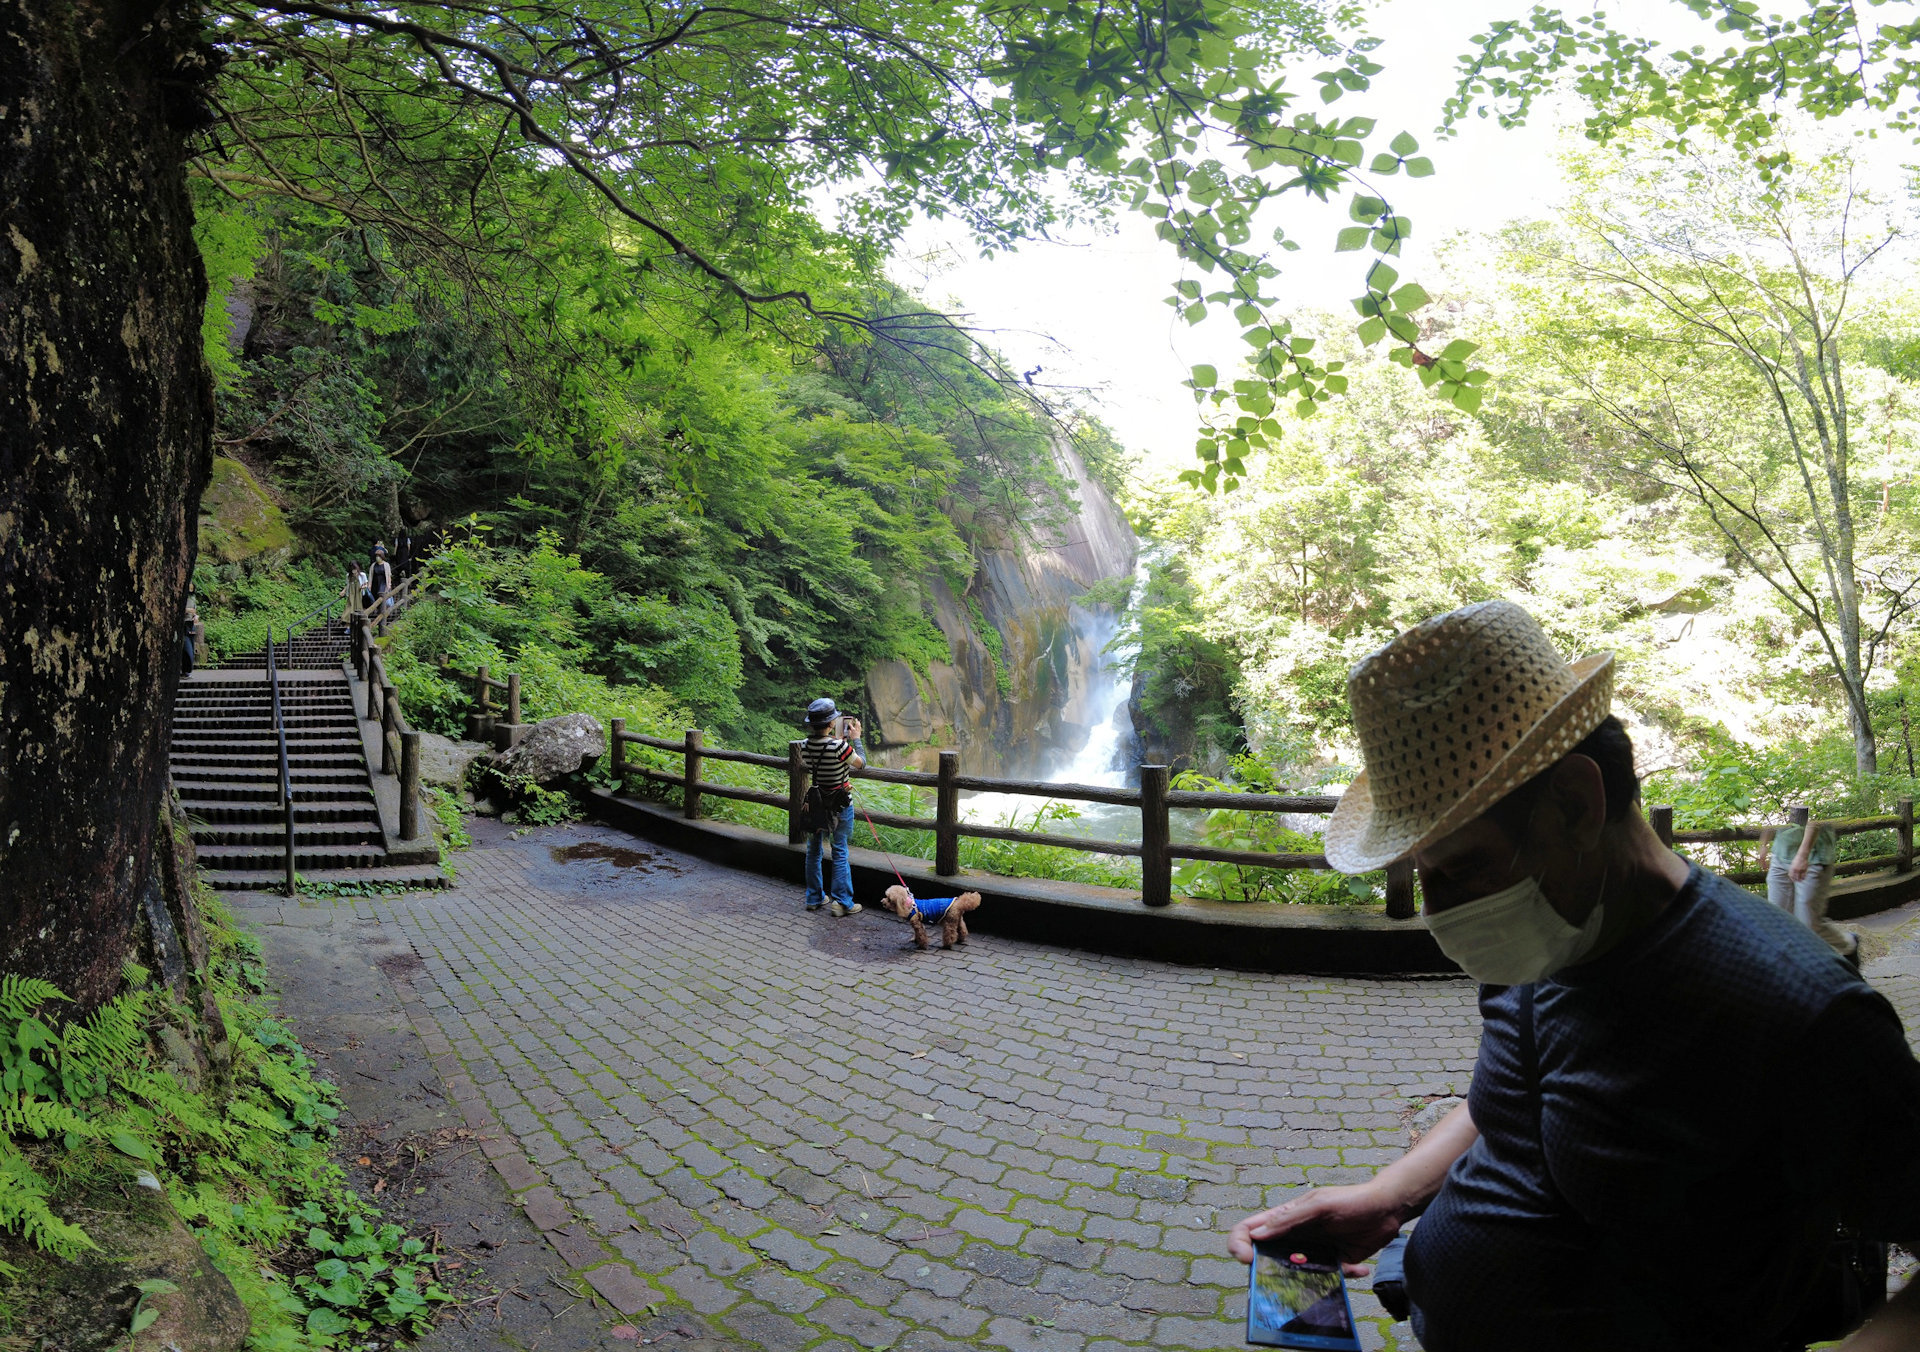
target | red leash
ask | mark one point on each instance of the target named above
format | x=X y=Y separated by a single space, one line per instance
x=883 y=849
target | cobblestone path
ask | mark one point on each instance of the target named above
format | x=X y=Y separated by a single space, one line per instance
x=814 y=1137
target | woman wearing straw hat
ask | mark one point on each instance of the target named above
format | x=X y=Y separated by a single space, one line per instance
x=1679 y=1090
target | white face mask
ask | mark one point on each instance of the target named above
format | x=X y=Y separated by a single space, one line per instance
x=1513 y=936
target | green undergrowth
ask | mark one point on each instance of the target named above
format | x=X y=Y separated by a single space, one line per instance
x=242 y=1154
x=996 y=647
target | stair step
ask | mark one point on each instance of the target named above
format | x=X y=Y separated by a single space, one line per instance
x=225 y=794
x=415 y=877
x=267 y=812
x=304 y=860
x=271 y=836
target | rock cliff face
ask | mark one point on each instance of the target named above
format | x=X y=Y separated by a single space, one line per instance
x=1049 y=648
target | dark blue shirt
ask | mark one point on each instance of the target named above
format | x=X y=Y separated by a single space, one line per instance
x=1714 y=1094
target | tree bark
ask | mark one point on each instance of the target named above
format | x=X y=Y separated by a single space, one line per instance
x=105 y=419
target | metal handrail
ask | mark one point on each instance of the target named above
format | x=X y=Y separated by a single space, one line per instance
x=280 y=734
x=324 y=610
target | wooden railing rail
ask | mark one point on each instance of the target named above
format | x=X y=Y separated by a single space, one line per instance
x=481 y=712
x=399 y=744
x=1899 y=821
x=1156 y=849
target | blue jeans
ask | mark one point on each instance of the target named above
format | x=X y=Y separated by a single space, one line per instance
x=821 y=888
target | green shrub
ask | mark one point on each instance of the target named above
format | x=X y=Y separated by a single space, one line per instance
x=238 y=607
x=91 y=1102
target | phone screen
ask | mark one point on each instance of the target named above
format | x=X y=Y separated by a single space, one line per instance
x=1298 y=1300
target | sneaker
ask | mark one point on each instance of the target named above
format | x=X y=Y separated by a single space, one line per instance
x=816 y=905
x=851 y=908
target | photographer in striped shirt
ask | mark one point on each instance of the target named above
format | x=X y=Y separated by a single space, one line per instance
x=830 y=758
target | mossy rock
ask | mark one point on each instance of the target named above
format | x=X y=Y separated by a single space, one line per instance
x=87 y=1304
x=238 y=519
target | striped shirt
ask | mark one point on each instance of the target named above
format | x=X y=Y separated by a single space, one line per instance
x=826 y=760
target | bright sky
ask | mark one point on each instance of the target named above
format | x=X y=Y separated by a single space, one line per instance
x=1091 y=310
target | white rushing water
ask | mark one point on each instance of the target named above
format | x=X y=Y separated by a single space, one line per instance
x=1102 y=759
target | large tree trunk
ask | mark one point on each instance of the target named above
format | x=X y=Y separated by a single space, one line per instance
x=105 y=416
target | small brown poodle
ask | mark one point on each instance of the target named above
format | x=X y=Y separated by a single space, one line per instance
x=949 y=914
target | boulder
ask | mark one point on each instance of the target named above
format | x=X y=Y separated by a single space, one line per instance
x=239 y=520
x=444 y=761
x=553 y=749
x=88 y=1303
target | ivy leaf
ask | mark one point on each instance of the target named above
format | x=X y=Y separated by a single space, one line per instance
x=1458 y=350
x=1385 y=164
x=1403 y=144
x=1352 y=238
x=1467 y=399
x=1419 y=167
x=1205 y=377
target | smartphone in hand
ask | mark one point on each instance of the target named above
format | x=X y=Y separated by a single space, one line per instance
x=1297 y=1297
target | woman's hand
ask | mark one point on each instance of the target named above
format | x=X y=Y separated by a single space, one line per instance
x=1357 y=1220
x=1797 y=870
x=850 y=729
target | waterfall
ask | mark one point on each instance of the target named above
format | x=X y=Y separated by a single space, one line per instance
x=1103 y=759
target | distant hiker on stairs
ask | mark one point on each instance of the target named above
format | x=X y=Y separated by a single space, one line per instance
x=830 y=759
x=380 y=579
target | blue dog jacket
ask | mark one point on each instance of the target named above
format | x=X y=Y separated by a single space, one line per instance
x=933 y=912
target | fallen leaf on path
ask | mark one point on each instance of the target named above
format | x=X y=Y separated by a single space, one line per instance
x=626 y=1333
x=918 y=1056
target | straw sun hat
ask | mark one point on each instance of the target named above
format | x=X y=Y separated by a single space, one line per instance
x=1453 y=715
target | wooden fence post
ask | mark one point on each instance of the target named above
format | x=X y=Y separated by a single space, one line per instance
x=617 y=754
x=389 y=728
x=1662 y=818
x=372 y=678
x=796 y=792
x=353 y=592
x=480 y=694
x=946 y=817
x=1400 y=898
x=690 y=798
x=1905 y=836
x=513 y=698
x=1156 y=865
x=409 y=785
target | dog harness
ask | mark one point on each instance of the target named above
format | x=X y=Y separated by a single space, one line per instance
x=933 y=912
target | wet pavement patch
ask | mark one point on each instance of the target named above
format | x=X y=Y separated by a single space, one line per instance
x=612 y=854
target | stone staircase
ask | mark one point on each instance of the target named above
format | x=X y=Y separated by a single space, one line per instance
x=226 y=769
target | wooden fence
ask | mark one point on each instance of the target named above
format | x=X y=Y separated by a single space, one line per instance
x=1154 y=799
x=1900 y=822
x=399 y=743
x=483 y=717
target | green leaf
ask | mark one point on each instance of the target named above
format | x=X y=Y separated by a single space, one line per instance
x=1384 y=164
x=1352 y=238
x=1205 y=377
x=143 y=1319
x=327 y=1321
x=1372 y=330
x=128 y=1144
x=1411 y=297
x=1403 y=144
x=1467 y=399
x=1366 y=210
x=1458 y=350
x=156 y=1286
x=1419 y=167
